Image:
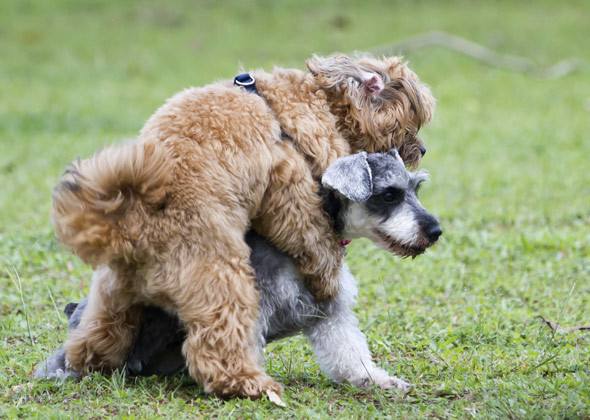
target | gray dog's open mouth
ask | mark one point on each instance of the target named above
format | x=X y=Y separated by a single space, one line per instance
x=397 y=248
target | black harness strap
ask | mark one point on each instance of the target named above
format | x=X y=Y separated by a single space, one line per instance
x=248 y=82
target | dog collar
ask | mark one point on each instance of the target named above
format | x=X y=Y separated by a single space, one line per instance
x=345 y=242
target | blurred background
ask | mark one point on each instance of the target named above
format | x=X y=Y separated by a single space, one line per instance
x=79 y=74
x=508 y=152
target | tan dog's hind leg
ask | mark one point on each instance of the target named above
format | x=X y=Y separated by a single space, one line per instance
x=292 y=218
x=219 y=308
x=107 y=328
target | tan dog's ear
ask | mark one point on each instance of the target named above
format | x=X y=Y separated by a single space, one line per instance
x=418 y=92
x=342 y=71
x=372 y=83
x=333 y=70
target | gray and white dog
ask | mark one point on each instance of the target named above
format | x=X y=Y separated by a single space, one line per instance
x=366 y=195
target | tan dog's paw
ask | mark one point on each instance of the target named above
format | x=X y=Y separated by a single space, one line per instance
x=77 y=357
x=81 y=359
x=251 y=386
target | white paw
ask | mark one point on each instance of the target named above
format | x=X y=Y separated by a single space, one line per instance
x=383 y=380
x=55 y=367
x=56 y=374
x=393 y=382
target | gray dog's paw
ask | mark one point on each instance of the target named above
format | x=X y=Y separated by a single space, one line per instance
x=394 y=382
x=55 y=368
x=58 y=374
x=383 y=380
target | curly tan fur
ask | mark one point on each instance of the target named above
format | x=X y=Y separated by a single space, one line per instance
x=118 y=180
x=390 y=118
x=163 y=218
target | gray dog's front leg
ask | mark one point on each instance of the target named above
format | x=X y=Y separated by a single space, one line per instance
x=341 y=348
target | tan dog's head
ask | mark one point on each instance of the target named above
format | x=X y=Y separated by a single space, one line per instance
x=380 y=103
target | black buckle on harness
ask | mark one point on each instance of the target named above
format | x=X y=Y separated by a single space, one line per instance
x=246 y=81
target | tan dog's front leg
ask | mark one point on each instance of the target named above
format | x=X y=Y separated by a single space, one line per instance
x=107 y=328
x=292 y=218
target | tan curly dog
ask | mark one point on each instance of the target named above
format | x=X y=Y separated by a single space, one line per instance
x=162 y=219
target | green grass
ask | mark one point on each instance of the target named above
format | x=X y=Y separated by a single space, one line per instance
x=508 y=154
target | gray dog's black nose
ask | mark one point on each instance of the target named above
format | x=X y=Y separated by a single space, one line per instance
x=422 y=150
x=434 y=232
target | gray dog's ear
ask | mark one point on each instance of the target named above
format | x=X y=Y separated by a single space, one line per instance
x=350 y=176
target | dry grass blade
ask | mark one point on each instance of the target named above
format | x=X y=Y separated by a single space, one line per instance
x=556 y=328
x=19 y=287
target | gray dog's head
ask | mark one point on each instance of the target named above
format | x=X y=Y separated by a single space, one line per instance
x=376 y=198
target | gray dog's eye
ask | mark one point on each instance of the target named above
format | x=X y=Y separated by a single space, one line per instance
x=393 y=195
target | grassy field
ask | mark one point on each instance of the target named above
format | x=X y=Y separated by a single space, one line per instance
x=509 y=156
